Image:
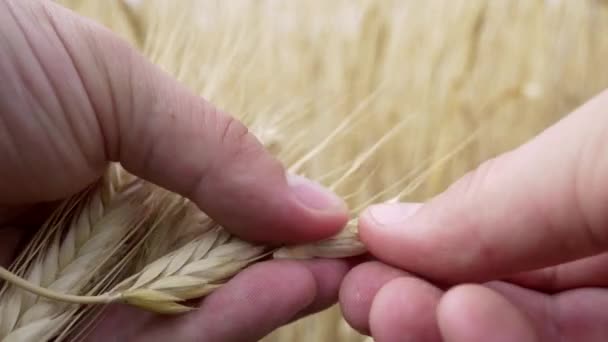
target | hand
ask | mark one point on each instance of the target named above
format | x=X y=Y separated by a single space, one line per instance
x=524 y=239
x=74 y=97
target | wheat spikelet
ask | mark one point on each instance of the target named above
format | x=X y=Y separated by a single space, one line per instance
x=192 y=271
x=74 y=256
x=344 y=244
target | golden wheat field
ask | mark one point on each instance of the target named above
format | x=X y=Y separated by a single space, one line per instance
x=375 y=99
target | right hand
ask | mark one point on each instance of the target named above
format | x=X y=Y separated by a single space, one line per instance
x=535 y=218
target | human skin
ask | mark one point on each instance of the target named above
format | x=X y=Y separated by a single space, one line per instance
x=74 y=97
x=513 y=251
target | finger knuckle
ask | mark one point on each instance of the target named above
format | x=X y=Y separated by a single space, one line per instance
x=233 y=132
x=234 y=138
x=590 y=200
x=478 y=180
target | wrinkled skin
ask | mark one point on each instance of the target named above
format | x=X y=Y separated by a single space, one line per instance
x=74 y=97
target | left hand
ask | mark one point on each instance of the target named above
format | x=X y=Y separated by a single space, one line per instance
x=74 y=97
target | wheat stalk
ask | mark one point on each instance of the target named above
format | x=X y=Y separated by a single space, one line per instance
x=344 y=244
x=170 y=220
x=75 y=255
x=192 y=271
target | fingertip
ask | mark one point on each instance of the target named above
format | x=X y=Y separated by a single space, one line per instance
x=405 y=310
x=313 y=196
x=316 y=212
x=384 y=230
x=359 y=288
x=476 y=313
x=328 y=276
x=382 y=222
x=268 y=207
x=297 y=224
x=390 y=215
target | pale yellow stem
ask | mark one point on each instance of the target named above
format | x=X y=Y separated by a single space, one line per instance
x=50 y=294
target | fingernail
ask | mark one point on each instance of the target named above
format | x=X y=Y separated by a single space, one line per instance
x=312 y=194
x=392 y=213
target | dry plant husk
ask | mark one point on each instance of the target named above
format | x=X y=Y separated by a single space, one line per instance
x=320 y=83
x=102 y=224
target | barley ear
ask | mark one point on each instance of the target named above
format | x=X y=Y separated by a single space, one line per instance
x=342 y=245
x=193 y=271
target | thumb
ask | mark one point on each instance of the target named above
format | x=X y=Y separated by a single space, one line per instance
x=160 y=131
x=542 y=204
